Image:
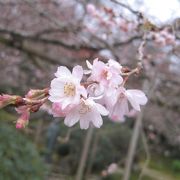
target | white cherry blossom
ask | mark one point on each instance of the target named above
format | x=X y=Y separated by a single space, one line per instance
x=66 y=88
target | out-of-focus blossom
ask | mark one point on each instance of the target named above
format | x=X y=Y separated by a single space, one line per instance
x=66 y=88
x=112 y=168
x=163 y=37
x=91 y=9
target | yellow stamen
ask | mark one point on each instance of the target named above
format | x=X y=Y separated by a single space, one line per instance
x=84 y=108
x=69 y=89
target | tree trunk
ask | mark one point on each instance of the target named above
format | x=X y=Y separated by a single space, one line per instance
x=84 y=155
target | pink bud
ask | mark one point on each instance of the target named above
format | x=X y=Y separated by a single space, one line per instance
x=6 y=99
x=23 y=120
x=19 y=125
x=35 y=93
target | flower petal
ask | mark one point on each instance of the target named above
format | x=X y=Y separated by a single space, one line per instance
x=84 y=122
x=82 y=91
x=136 y=98
x=78 y=72
x=63 y=71
x=56 y=92
x=120 y=110
x=101 y=109
x=71 y=118
x=57 y=83
x=89 y=65
x=66 y=102
x=55 y=98
x=96 y=119
x=87 y=71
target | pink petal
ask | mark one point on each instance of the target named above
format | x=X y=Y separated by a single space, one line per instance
x=120 y=110
x=136 y=98
x=141 y=97
x=84 y=122
x=87 y=71
x=57 y=83
x=63 y=71
x=55 y=98
x=57 y=110
x=101 y=109
x=89 y=65
x=78 y=72
x=71 y=118
x=82 y=91
x=57 y=92
x=66 y=102
x=96 y=119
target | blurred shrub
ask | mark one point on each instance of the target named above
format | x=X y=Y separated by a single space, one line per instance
x=114 y=176
x=113 y=140
x=19 y=159
x=112 y=145
x=176 y=165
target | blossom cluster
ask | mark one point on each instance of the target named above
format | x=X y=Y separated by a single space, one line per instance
x=163 y=37
x=109 y=21
x=85 y=96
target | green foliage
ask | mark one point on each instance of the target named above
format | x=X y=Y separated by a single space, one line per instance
x=176 y=165
x=112 y=144
x=19 y=159
x=114 y=176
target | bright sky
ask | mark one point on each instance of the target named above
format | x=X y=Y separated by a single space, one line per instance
x=159 y=10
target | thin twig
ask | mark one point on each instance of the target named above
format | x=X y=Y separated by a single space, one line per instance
x=148 y=155
x=137 y=13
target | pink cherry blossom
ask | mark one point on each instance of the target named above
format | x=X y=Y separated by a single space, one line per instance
x=86 y=112
x=66 y=88
x=57 y=110
x=120 y=108
x=115 y=65
x=104 y=74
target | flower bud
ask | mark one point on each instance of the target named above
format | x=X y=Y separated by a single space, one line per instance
x=6 y=99
x=36 y=93
x=23 y=120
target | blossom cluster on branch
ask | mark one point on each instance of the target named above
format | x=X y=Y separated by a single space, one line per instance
x=82 y=95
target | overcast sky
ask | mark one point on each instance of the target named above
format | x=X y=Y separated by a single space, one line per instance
x=159 y=10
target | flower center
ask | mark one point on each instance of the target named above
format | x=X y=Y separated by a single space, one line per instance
x=121 y=95
x=69 y=89
x=106 y=74
x=84 y=108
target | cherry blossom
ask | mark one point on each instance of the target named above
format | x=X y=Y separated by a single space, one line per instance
x=120 y=107
x=66 y=88
x=88 y=111
x=104 y=74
